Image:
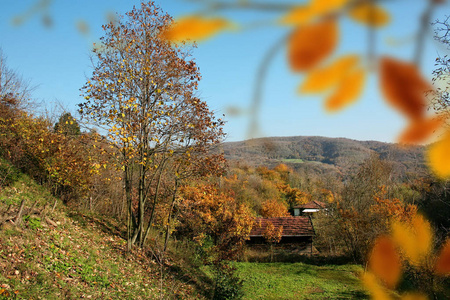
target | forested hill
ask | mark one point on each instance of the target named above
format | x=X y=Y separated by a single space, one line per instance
x=323 y=155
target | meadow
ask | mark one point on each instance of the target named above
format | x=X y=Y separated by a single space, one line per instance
x=300 y=281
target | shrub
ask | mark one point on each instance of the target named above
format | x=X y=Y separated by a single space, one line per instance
x=227 y=285
x=8 y=174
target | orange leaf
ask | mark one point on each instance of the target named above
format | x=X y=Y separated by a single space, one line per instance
x=322 y=79
x=309 y=45
x=196 y=28
x=443 y=261
x=376 y=290
x=304 y=14
x=369 y=14
x=385 y=262
x=420 y=130
x=415 y=239
x=347 y=92
x=404 y=87
x=439 y=158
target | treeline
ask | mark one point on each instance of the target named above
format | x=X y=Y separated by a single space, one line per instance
x=322 y=155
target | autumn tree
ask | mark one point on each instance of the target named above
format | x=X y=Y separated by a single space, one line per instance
x=206 y=213
x=272 y=235
x=67 y=125
x=274 y=208
x=365 y=209
x=142 y=92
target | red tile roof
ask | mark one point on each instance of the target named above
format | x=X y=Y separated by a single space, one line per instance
x=312 y=205
x=292 y=226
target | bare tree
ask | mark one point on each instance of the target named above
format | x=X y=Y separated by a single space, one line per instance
x=14 y=90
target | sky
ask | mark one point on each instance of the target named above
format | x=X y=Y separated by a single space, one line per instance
x=50 y=49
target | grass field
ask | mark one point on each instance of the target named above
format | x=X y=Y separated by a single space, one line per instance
x=293 y=160
x=300 y=281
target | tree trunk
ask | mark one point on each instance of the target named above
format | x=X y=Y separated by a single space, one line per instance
x=169 y=214
x=155 y=199
x=129 y=205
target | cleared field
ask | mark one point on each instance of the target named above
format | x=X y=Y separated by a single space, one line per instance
x=293 y=160
x=300 y=281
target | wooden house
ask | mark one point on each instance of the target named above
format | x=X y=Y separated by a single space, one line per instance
x=296 y=230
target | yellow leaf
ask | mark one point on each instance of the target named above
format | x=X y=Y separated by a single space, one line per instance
x=376 y=290
x=322 y=79
x=369 y=14
x=439 y=158
x=304 y=14
x=385 y=262
x=415 y=239
x=347 y=92
x=298 y=16
x=309 y=45
x=196 y=28
x=424 y=234
x=323 y=7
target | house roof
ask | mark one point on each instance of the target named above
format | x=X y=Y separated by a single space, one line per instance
x=312 y=205
x=292 y=226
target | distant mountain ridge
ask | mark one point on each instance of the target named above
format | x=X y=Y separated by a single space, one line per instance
x=323 y=154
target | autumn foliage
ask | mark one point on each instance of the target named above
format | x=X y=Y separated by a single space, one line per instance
x=274 y=208
x=205 y=212
x=63 y=163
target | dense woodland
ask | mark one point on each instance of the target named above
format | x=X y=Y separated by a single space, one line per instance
x=147 y=152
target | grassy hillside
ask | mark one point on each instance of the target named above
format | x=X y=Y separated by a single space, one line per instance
x=54 y=255
x=322 y=155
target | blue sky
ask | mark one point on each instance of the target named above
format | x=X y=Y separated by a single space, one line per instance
x=56 y=60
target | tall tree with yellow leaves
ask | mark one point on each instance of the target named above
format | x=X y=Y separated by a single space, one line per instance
x=142 y=92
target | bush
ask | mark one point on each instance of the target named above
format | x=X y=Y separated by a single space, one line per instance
x=8 y=174
x=227 y=285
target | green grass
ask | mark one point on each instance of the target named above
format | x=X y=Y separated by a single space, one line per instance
x=293 y=160
x=300 y=281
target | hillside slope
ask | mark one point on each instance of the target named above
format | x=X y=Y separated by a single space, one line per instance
x=53 y=254
x=322 y=154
